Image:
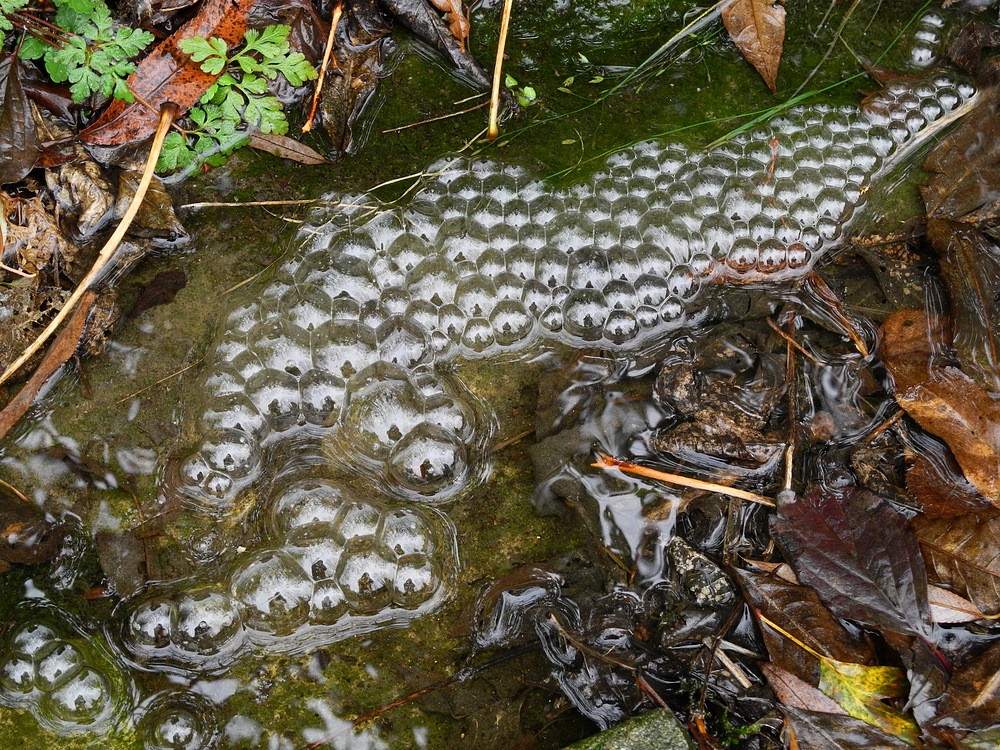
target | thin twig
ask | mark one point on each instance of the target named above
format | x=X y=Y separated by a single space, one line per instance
x=436 y=119
x=161 y=380
x=16 y=271
x=493 y=129
x=515 y=439
x=795 y=344
x=16 y=492
x=239 y=204
x=327 y=55
x=167 y=113
x=605 y=461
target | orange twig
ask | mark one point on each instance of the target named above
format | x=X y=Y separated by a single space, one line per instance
x=605 y=461
x=327 y=54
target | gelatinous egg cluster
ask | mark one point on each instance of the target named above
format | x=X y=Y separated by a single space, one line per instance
x=488 y=259
x=333 y=564
x=56 y=673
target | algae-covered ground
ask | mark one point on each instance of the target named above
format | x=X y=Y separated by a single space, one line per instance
x=139 y=397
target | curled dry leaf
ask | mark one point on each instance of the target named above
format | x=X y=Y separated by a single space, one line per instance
x=962 y=553
x=454 y=14
x=944 y=400
x=757 y=28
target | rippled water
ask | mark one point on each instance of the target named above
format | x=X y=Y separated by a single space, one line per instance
x=335 y=431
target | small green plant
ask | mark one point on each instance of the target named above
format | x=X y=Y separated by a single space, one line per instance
x=238 y=102
x=94 y=54
x=526 y=95
x=7 y=7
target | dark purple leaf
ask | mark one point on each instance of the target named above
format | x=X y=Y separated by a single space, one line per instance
x=859 y=555
x=18 y=139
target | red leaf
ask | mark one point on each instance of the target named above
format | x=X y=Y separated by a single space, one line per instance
x=168 y=75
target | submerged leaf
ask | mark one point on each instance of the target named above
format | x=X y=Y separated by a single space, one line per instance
x=972 y=698
x=791 y=691
x=859 y=555
x=970 y=265
x=823 y=731
x=944 y=400
x=962 y=553
x=757 y=28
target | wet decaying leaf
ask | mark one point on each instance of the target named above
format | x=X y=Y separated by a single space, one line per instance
x=156 y=220
x=949 y=607
x=943 y=400
x=18 y=138
x=970 y=266
x=799 y=611
x=859 y=688
x=427 y=24
x=935 y=480
x=966 y=168
x=168 y=75
x=27 y=537
x=972 y=698
x=859 y=555
x=823 y=731
x=963 y=554
x=34 y=242
x=160 y=291
x=84 y=195
x=791 y=691
x=968 y=48
x=286 y=148
x=362 y=44
x=454 y=15
x=757 y=28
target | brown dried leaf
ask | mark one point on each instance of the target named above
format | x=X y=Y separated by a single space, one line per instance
x=935 y=480
x=948 y=607
x=757 y=28
x=972 y=698
x=168 y=75
x=963 y=554
x=454 y=14
x=286 y=148
x=943 y=400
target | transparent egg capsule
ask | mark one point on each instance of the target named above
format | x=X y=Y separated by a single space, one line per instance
x=424 y=314
x=451 y=321
x=761 y=227
x=395 y=300
x=922 y=56
x=621 y=327
x=683 y=284
x=797 y=255
x=230 y=452
x=343 y=348
x=551 y=266
x=512 y=323
x=552 y=318
x=306 y=503
x=830 y=203
x=415 y=582
x=628 y=210
x=207 y=622
x=493 y=261
x=742 y=256
x=651 y=289
x=536 y=296
x=56 y=665
x=366 y=578
x=478 y=335
x=787 y=230
x=475 y=296
x=273 y=594
x=584 y=313
x=545 y=208
x=429 y=462
x=620 y=295
x=177 y=721
x=569 y=231
x=321 y=396
x=151 y=625
x=915 y=121
x=402 y=342
x=931 y=109
x=275 y=394
x=672 y=311
x=595 y=208
x=78 y=702
x=234 y=411
x=771 y=257
x=588 y=269
x=407 y=250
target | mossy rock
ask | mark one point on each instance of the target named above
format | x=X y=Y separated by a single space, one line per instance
x=656 y=730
